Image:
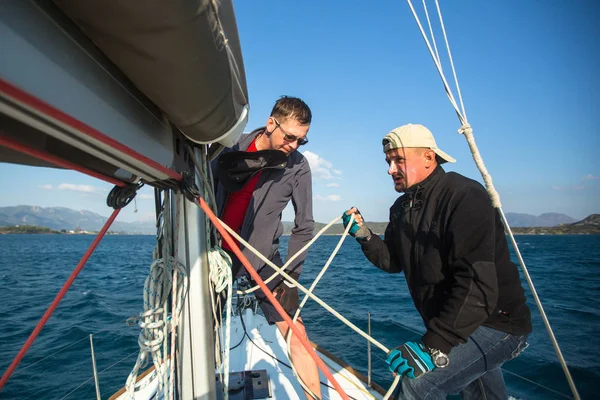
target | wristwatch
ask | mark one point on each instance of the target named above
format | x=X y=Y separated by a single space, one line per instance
x=440 y=359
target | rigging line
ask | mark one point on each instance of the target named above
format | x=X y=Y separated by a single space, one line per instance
x=301 y=287
x=275 y=358
x=537 y=384
x=287 y=263
x=58 y=298
x=437 y=54
x=42 y=155
x=270 y=296
x=288 y=338
x=538 y=302
x=48 y=356
x=64 y=348
x=464 y=112
x=468 y=132
x=99 y=373
x=437 y=64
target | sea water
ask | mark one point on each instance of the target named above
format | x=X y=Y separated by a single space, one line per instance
x=564 y=269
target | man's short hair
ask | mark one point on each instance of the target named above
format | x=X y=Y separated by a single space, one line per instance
x=287 y=107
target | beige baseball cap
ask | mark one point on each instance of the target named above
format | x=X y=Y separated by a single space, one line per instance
x=413 y=135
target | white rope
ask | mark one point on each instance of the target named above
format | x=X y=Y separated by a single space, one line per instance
x=288 y=262
x=464 y=112
x=437 y=64
x=220 y=276
x=152 y=319
x=494 y=196
x=292 y=281
x=288 y=338
x=166 y=275
x=487 y=178
x=437 y=54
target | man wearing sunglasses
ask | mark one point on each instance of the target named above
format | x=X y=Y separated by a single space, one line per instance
x=255 y=210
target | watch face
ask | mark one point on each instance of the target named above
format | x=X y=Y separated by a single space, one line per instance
x=441 y=361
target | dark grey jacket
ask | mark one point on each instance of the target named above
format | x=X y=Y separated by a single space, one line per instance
x=262 y=226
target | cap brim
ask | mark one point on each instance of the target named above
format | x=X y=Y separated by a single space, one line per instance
x=444 y=156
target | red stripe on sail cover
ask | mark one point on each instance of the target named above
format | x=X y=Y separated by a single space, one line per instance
x=46 y=109
x=42 y=155
x=235 y=248
x=57 y=299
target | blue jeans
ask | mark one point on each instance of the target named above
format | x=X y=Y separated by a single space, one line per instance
x=474 y=369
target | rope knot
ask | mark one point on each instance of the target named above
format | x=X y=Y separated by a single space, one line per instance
x=465 y=129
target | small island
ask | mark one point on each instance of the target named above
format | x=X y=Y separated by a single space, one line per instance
x=28 y=229
x=32 y=229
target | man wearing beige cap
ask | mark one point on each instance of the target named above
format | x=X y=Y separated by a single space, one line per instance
x=449 y=241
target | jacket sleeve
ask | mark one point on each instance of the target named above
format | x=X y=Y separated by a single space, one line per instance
x=304 y=224
x=381 y=252
x=473 y=292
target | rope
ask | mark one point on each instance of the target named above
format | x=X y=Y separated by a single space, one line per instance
x=58 y=298
x=288 y=337
x=166 y=275
x=308 y=293
x=220 y=276
x=292 y=281
x=288 y=262
x=487 y=178
x=270 y=296
x=468 y=132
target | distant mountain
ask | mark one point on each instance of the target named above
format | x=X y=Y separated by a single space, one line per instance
x=592 y=220
x=58 y=218
x=66 y=218
x=587 y=226
x=545 y=220
x=515 y=220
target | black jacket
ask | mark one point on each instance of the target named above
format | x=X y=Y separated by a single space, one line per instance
x=450 y=242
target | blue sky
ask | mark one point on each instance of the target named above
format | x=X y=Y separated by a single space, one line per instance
x=526 y=71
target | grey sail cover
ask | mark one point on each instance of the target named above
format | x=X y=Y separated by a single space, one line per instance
x=184 y=55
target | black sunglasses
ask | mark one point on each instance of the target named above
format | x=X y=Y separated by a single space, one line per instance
x=290 y=138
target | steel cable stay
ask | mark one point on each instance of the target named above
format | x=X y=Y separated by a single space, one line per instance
x=68 y=346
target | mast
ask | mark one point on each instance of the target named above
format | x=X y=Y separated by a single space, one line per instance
x=196 y=341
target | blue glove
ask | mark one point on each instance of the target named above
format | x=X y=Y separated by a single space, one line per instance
x=411 y=359
x=356 y=230
x=346 y=221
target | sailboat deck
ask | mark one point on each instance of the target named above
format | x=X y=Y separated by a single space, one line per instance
x=267 y=351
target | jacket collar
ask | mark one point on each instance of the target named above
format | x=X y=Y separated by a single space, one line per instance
x=246 y=139
x=428 y=182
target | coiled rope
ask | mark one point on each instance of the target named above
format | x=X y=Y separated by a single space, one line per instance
x=166 y=274
x=467 y=131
